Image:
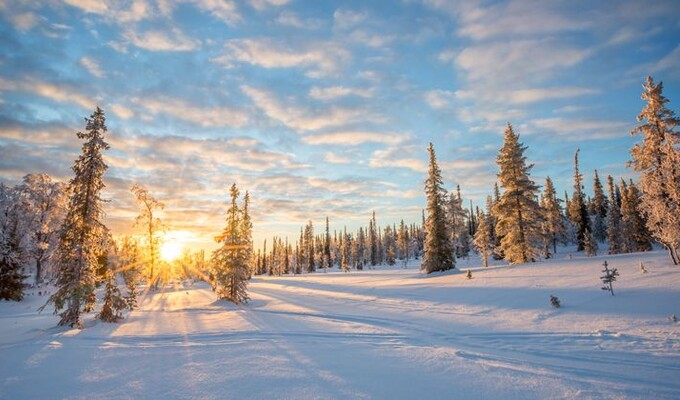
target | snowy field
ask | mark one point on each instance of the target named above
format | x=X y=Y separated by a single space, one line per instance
x=384 y=333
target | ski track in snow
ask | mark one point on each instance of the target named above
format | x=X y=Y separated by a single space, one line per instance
x=385 y=333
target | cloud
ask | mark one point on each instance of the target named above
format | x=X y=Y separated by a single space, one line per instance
x=438 y=99
x=334 y=158
x=261 y=5
x=92 y=66
x=121 y=111
x=58 y=92
x=183 y=110
x=397 y=157
x=669 y=63
x=160 y=40
x=354 y=138
x=580 y=129
x=526 y=96
x=319 y=59
x=291 y=19
x=344 y=19
x=224 y=10
x=334 y=92
x=302 y=118
x=24 y=21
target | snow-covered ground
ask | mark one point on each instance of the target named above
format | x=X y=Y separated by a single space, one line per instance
x=384 y=333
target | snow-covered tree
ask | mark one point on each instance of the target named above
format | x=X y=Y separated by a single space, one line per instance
x=634 y=231
x=553 y=224
x=83 y=232
x=438 y=249
x=153 y=226
x=230 y=262
x=658 y=161
x=43 y=207
x=578 y=213
x=590 y=244
x=614 y=237
x=327 y=261
x=12 y=254
x=600 y=205
x=519 y=216
x=373 y=240
x=403 y=242
x=483 y=240
x=457 y=224
x=114 y=304
x=390 y=245
x=129 y=263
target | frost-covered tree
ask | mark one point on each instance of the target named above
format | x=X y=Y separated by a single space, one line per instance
x=634 y=231
x=114 y=304
x=43 y=207
x=483 y=240
x=590 y=244
x=327 y=261
x=438 y=250
x=600 y=205
x=83 y=232
x=553 y=224
x=373 y=240
x=129 y=263
x=12 y=254
x=403 y=242
x=230 y=262
x=658 y=161
x=346 y=250
x=578 y=213
x=614 y=237
x=390 y=245
x=153 y=227
x=457 y=224
x=519 y=216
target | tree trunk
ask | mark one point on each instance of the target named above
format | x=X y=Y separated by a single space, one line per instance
x=38 y=271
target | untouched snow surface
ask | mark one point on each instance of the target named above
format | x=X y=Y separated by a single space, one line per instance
x=384 y=333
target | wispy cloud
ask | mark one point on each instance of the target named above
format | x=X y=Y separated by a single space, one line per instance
x=334 y=92
x=183 y=110
x=354 y=138
x=92 y=66
x=162 y=40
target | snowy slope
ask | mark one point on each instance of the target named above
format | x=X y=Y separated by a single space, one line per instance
x=385 y=333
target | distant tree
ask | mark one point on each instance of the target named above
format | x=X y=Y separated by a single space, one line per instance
x=129 y=263
x=327 y=261
x=658 y=161
x=519 y=216
x=114 y=303
x=152 y=225
x=42 y=208
x=346 y=250
x=554 y=301
x=578 y=213
x=403 y=242
x=458 y=224
x=230 y=262
x=438 y=249
x=590 y=244
x=373 y=240
x=614 y=237
x=390 y=246
x=635 y=235
x=12 y=254
x=553 y=225
x=483 y=240
x=600 y=206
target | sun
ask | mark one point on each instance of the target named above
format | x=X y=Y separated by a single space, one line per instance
x=171 y=250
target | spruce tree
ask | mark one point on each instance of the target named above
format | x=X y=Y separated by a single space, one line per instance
x=327 y=248
x=83 y=231
x=373 y=240
x=438 y=250
x=554 y=222
x=636 y=237
x=231 y=260
x=658 y=161
x=483 y=240
x=114 y=303
x=11 y=252
x=599 y=210
x=578 y=213
x=518 y=213
x=614 y=237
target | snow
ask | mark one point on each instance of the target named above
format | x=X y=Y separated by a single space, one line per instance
x=389 y=333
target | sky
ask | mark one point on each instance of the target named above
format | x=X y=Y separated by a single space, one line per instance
x=323 y=108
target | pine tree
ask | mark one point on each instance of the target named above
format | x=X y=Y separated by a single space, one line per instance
x=458 y=229
x=83 y=231
x=114 y=303
x=519 y=217
x=373 y=240
x=614 y=239
x=658 y=161
x=590 y=244
x=346 y=250
x=553 y=221
x=129 y=265
x=230 y=261
x=390 y=246
x=438 y=249
x=578 y=213
x=483 y=240
x=635 y=235
x=327 y=248
x=599 y=210
x=11 y=251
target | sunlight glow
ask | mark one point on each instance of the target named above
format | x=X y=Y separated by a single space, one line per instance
x=171 y=249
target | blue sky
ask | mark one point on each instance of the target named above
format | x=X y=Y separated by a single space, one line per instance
x=324 y=108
